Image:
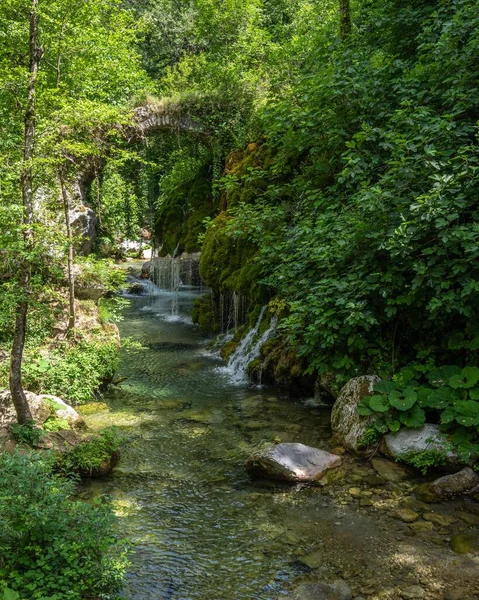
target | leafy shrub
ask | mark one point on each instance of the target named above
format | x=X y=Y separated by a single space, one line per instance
x=88 y=456
x=50 y=545
x=27 y=433
x=96 y=272
x=425 y=460
x=450 y=391
x=72 y=372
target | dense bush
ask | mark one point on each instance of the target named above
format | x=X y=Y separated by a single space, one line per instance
x=73 y=372
x=52 y=546
x=91 y=455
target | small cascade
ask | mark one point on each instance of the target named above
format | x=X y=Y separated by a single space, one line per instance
x=170 y=273
x=166 y=274
x=233 y=309
x=249 y=349
x=139 y=287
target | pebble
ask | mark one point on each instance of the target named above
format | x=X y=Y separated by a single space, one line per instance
x=468 y=518
x=415 y=591
x=422 y=526
x=365 y=502
x=407 y=515
x=355 y=492
x=438 y=519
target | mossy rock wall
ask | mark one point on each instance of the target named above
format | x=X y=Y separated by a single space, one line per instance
x=179 y=221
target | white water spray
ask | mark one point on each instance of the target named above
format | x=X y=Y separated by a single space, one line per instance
x=248 y=350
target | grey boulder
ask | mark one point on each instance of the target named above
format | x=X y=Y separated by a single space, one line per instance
x=427 y=437
x=462 y=483
x=292 y=462
x=39 y=409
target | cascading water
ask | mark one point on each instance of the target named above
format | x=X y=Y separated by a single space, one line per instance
x=139 y=287
x=248 y=350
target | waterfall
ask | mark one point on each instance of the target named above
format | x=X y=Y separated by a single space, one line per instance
x=248 y=350
x=139 y=287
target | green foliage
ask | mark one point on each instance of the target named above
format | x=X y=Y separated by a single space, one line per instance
x=449 y=393
x=28 y=434
x=89 y=456
x=185 y=200
x=50 y=545
x=100 y=273
x=425 y=460
x=74 y=372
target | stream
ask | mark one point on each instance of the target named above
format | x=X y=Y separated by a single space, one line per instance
x=200 y=529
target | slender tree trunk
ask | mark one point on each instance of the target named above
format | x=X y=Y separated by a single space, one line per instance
x=16 y=387
x=345 y=26
x=71 y=277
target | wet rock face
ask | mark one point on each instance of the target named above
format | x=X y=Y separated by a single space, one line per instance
x=39 y=409
x=292 y=462
x=428 y=437
x=339 y=590
x=83 y=222
x=463 y=483
x=348 y=426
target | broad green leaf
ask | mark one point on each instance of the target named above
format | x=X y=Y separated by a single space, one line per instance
x=364 y=410
x=439 y=399
x=416 y=417
x=394 y=425
x=384 y=387
x=474 y=394
x=442 y=375
x=423 y=394
x=404 y=402
x=9 y=594
x=448 y=416
x=379 y=403
x=471 y=375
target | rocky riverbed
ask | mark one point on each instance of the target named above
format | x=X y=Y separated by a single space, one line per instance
x=202 y=529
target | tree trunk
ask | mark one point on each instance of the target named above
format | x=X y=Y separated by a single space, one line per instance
x=345 y=18
x=71 y=278
x=16 y=388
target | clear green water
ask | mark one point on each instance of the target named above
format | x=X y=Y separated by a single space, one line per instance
x=200 y=528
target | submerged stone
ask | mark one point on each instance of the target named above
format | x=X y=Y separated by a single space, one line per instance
x=463 y=483
x=339 y=590
x=407 y=515
x=465 y=543
x=390 y=471
x=292 y=462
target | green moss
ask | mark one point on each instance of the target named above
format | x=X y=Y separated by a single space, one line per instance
x=204 y=315
x=179 y=220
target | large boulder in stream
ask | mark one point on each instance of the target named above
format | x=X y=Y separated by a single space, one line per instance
x=347 y=424
x=291 y=462
x=408 y=441
x=463 y=483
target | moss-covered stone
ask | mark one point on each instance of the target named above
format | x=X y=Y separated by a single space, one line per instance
x=179 y=220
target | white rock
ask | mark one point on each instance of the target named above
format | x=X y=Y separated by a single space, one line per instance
x=65 y=412
x=39 y=409
x=292 y=462
x=427 y=437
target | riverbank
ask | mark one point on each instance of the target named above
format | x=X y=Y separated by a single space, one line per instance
x=201 y=529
